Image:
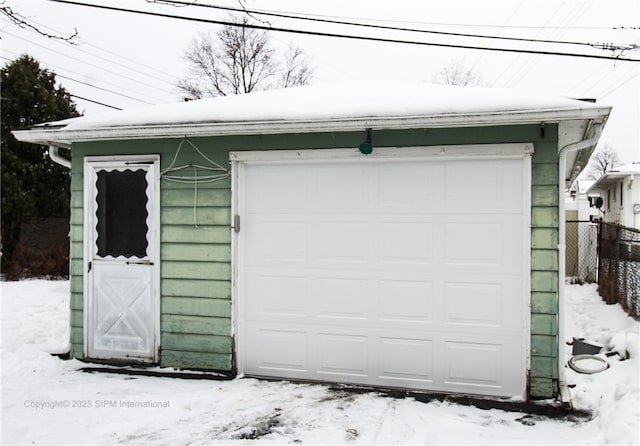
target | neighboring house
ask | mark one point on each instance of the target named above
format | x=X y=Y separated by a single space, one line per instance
x=581 y=233
x=619 y=189
x=393 y=235
x=578 y=204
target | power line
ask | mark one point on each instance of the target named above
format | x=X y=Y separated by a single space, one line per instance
x=103 y=89
x=76 y=96
x=345 y=36
x=633 y=76
x=95 y=102
x=87 y=63
x=84 y=42
x=91 y=85
x=448 y=25
x=364 y=25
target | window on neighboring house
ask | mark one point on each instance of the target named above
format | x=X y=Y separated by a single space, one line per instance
x=621 y=188
x=608 y=199
x=615 y=198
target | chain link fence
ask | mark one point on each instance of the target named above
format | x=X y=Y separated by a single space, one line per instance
x=619 y=267
x=581 y=254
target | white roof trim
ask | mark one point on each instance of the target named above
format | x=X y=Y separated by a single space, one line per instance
x=61 y=137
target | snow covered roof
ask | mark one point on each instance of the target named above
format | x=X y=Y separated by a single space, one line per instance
x=615 y=174
x=327 y=107
x=583 y=186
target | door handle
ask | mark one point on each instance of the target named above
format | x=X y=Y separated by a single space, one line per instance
x=139 y=262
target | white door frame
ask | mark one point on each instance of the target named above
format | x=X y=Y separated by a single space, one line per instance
x=446 y=152
x=91 y=164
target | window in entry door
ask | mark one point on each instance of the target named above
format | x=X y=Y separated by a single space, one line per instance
x=122 y=213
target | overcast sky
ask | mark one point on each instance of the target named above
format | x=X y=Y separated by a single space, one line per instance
x=128 y=60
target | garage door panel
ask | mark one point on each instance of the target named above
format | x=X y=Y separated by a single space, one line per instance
x=496 y=370
x=268 y=195
x=474 y=304
x=342 y=354
x=339 y=241
x=482 y=305
x=403 y=242
x=405 y=302
x=277 y=296
x=406 y=360
x=278 y=238
x=412 y=192
x=341 y=190
x=341 y=298
x=484 y=186
x=488 y=244
x=272 y=350
x=473 y=363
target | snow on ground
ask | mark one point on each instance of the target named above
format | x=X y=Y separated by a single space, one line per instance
x=46 y=400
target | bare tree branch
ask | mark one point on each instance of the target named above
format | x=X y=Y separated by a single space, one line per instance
x=250 y=14
x=239 y=59
x=296 y=69
x=456 y=74
x=602 y=162
x=24 y=23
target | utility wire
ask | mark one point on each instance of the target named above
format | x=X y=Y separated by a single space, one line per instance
x=341 y=19
x=103 y=89
x=73 y=95
x=112 y=53
x=345 y=36
x=85 y=62
x=95 y=102
x=57 y=73
x=364 y=25
x=633 y=76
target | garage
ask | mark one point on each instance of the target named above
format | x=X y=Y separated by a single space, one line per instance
x=280 y=246
x=405 y=268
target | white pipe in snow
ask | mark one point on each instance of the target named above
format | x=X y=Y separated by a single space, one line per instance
x=57 y=158
x=562 y=153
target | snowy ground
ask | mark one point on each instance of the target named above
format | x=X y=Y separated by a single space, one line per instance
x=46 y=400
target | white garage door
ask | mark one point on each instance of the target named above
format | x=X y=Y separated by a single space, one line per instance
x=408 y=271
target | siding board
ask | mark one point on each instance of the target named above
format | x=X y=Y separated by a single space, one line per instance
x=544 y=324
x=196 y=360
x=177 y=324
x=203 y=216
x=215 y=289
x=543 y=345
x=209 y=197
x=196 y=270
x=544 y=302
x=200 y=252
x=188 y=233
x=196 y=307
x=544 y=260
x=188 y=342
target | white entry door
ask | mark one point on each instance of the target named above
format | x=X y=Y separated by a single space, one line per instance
x=404 y=268
x=121 y=295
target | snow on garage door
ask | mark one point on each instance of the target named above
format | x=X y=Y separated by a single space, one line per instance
x=403 y=270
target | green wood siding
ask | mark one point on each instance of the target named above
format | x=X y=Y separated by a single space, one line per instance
x=195 y=238
x=544 y=268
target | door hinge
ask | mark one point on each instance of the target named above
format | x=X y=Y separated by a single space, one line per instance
x=89 y=270
x=236 y=223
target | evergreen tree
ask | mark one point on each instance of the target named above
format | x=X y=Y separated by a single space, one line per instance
x=33 y=186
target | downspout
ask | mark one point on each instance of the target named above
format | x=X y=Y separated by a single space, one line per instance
x=57 y=158
x=565 y=395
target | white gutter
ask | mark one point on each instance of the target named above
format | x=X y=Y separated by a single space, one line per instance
x=56 y=158
x=565 y=395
